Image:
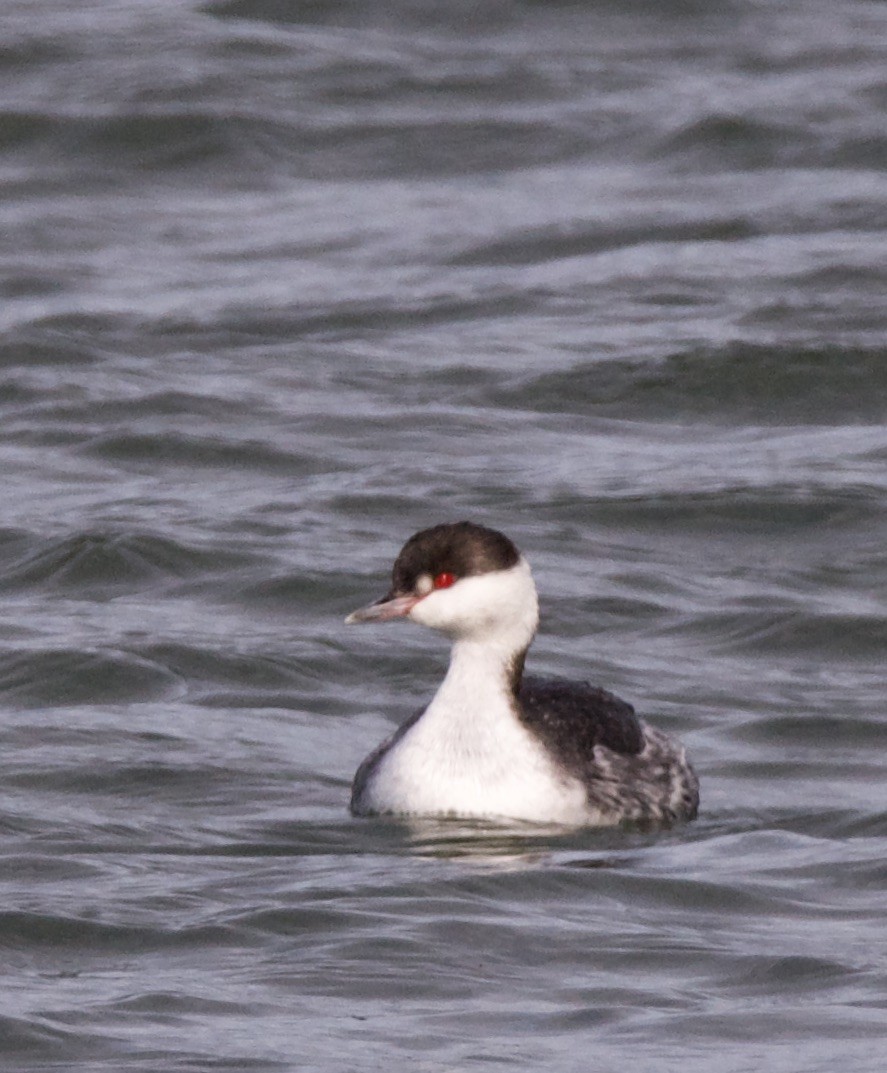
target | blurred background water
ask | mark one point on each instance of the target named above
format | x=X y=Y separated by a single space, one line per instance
x=283 y=282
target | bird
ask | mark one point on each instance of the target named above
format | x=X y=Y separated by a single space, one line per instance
x=494 y=743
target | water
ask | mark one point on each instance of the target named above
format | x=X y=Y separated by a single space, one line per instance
x=283 y=283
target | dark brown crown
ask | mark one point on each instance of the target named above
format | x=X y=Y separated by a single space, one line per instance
x=462 y=549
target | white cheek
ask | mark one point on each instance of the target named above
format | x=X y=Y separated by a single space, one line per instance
x=454 y=609
x=491 y=605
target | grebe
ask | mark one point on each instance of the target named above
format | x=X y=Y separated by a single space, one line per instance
x=492 y=742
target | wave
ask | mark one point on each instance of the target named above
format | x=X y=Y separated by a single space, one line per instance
x=32 y=347
x=97 y=562
x=536 y=245
x=68 y=676
x=836 y=636
x=213 y=452
x=196 y=139
x=21 y=930
x=739 y=382
x=724 y=142
x=31 y=1040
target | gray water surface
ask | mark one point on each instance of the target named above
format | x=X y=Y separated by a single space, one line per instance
x=282 y=283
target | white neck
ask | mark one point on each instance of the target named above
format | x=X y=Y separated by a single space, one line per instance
x=492 y=619
x=470 y=755
x=474 y=700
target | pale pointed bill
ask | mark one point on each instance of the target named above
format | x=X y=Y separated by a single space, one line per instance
x=382 y=610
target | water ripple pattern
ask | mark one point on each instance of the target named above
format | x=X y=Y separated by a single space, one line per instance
x=282 y=283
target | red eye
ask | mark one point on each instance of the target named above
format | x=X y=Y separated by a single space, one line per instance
x=443 y=581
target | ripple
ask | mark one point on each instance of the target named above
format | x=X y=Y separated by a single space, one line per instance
x=21 y=931
x=209 y=452
x=812 y=729
x=795 y=633
x=49 y=678
x=534 y=247
x=770 y=509
x=348 y=317
x=160 y=781
x=739 y=382
x=32 y=1040
x=102 y=562
x=189 y=139
x=150 y=140
x=732 y=142
x=259 y=673
x=32 y=348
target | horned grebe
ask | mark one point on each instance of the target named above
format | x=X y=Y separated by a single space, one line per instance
x=493 y=743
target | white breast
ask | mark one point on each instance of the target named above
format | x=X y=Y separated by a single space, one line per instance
x=469 y=755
